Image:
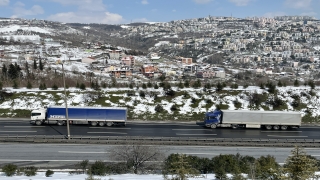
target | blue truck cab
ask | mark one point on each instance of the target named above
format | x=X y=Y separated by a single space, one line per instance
x=213 y=118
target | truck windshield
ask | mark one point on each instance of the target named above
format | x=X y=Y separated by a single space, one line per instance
x=35 y=114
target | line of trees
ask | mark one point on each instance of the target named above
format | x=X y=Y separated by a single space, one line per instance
x=144 y=159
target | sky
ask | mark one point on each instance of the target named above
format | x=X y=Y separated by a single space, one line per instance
x=127 y=11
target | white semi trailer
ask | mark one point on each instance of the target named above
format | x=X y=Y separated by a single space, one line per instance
x=253 y=119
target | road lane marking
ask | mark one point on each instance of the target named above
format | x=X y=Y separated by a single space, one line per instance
x=16 y=131
x=179 y=134
x=106 y=133
x=106 y=128
x=156 y=124
x=75 y=152
x=191 y=130
x=286 y=136
x=281 y=131
x=23 y=126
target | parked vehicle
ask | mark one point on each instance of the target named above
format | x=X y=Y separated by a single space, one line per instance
x=80 y=115
x=253 y=119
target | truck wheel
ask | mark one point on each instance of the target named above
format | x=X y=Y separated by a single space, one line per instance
x=60 y=123
x=213 y=126
x=284 y=127
x=268 y=127
x=234 y=126
x=109 y=124
x=94 y=123
x=38 y=122
x=101 y=123
x=276 y=127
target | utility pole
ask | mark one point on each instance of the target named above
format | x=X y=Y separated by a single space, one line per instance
x=65 y=98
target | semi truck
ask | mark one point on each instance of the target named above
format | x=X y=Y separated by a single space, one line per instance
x=79 y=115
x=252 y=119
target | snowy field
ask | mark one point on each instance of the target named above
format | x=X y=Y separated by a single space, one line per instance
x=62 y=176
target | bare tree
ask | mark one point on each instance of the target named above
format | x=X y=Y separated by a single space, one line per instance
x=139 y=157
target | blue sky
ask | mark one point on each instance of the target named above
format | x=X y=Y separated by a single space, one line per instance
x=126 y=11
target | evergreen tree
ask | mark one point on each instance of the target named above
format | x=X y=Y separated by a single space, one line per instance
x=131 y=86
x=156 y=86
x=178 y=166
x=180 y=85
x=4 y=70
x=82 y=86
x=197 y=84
x=279 y=83
x=44 y=86
x=219 y=87
x=41 y=86
x=15 y=85
x=35 y=64
x=27 y=69
x=29 y=85
x=296 y=83
x=144 y=86
x=149 y=84
x=299 y=165
x=12 y=72
x=186 y=83
x=54 y=87
x=40 y=64
x=311 y=84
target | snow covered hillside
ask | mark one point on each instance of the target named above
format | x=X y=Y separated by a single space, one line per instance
x=189 y=103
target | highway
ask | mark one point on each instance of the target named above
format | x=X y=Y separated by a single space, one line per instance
x=66 y=155
x=153 y=129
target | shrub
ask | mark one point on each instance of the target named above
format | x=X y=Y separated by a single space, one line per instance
x=142 y=94
x=29 y=85
x=82 y=86
x=158 y=108
x=170 y=92
x=49 y=173
x=173 y=107
x=156 y=86
x=144 y=86
x=9 y=169
x=98 y=168
x=54 y=87
x=30 y=171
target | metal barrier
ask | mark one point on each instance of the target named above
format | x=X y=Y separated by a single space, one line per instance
x=162 y=140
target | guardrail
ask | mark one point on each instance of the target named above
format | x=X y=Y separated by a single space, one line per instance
x=192 y=141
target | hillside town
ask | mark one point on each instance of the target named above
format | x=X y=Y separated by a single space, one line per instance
x=247 y=51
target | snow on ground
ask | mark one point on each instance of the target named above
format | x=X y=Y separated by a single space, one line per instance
x=66 y=176
x=24 y=28
x=35 y=99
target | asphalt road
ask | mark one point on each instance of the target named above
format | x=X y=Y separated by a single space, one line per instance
x=22 y=127
x=65 y=156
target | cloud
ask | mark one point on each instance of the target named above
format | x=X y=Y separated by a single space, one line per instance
x=87 y=17
x=273 y=14
x=144 y=2
x=298 y=4
x=202 y=1
x=88 y=5
x=4 y=2
x=88 y=11
x=240 y=2
x=20 y=11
